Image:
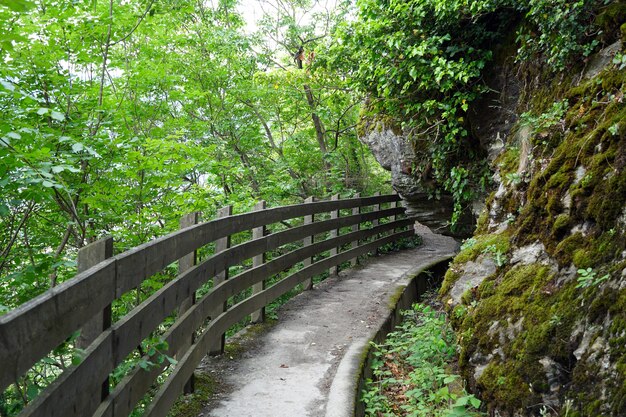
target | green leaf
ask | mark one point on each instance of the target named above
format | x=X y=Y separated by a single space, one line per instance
x=49 y=361
x=77 y=147
x=449 y=379
x=475 y=402
x=14 y=135
x=58 y=168
x=18 y=5
x=42 y=110
x=47 y=184
x=78 y=356
x=31 y=391
x=461 y=402
x=9 y=86
x=57 y=115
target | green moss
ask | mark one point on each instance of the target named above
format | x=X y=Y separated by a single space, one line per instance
x=489 y=243
x=538 y=309
x=191 y=405
x=487 y=288
x=561 y=223
x=371 y=119
x=233 y=350
x=581 y=258
x=395 y=297
x=499 y=241
x=566 y=248
x=483 y=222
x=449 y=279
x=508 y=161
x=504 y=386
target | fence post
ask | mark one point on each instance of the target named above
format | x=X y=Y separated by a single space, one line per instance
x=394 y=204
x=258 y=232
x=334 y=270
x=355 y=228
x=308 y=284
x=376 y=222
x=220 y=245
x=185 y=263
x=89 y=256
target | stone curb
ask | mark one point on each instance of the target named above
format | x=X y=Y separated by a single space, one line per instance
x=343 y=393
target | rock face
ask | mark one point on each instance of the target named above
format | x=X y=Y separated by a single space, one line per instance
x=538 y=295
x=394 y=152
x=492 y=116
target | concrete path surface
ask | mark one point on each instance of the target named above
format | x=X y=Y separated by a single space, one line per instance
x=288 y=370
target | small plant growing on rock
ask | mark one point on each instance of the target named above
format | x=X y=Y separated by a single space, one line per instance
x=498 y=255
x=587 y=278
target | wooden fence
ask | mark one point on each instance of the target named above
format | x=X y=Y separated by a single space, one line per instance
x=30 y=332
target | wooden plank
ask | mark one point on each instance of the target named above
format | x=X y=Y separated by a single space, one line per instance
x=394 y=204
x=258 y=233
x=88 y=257
x=72 y=394
x=142 y=320
x=32 y=330
x=246 y=278
x=375 y=222
x=184 y=264
x=307 y=241
x=221 y=245
x=355 y=227
x=334 y=270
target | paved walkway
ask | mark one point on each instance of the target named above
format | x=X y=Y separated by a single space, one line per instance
x=288 y=370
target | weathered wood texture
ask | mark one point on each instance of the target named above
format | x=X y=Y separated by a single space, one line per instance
x=307 y=241
x=258 y=316
x=221 y=245
x=334 y=214
x=89 y=256
x=184 y=264
x=30 y=332
x=355 y=227
x=375 y=222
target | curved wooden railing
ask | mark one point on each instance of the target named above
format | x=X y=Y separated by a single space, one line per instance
x=30 y=332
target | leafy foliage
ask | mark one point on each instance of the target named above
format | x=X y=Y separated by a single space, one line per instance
x=118 y=118
x=422 y=61
x=411 y=371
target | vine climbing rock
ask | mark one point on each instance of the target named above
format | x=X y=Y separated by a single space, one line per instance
x=290 y=368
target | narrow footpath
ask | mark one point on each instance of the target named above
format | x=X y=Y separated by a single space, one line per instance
x=307 y=363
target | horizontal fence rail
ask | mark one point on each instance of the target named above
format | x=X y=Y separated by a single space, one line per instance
x=319 y=240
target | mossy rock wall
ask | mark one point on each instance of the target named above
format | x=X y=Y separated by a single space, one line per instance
x=536 y=337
